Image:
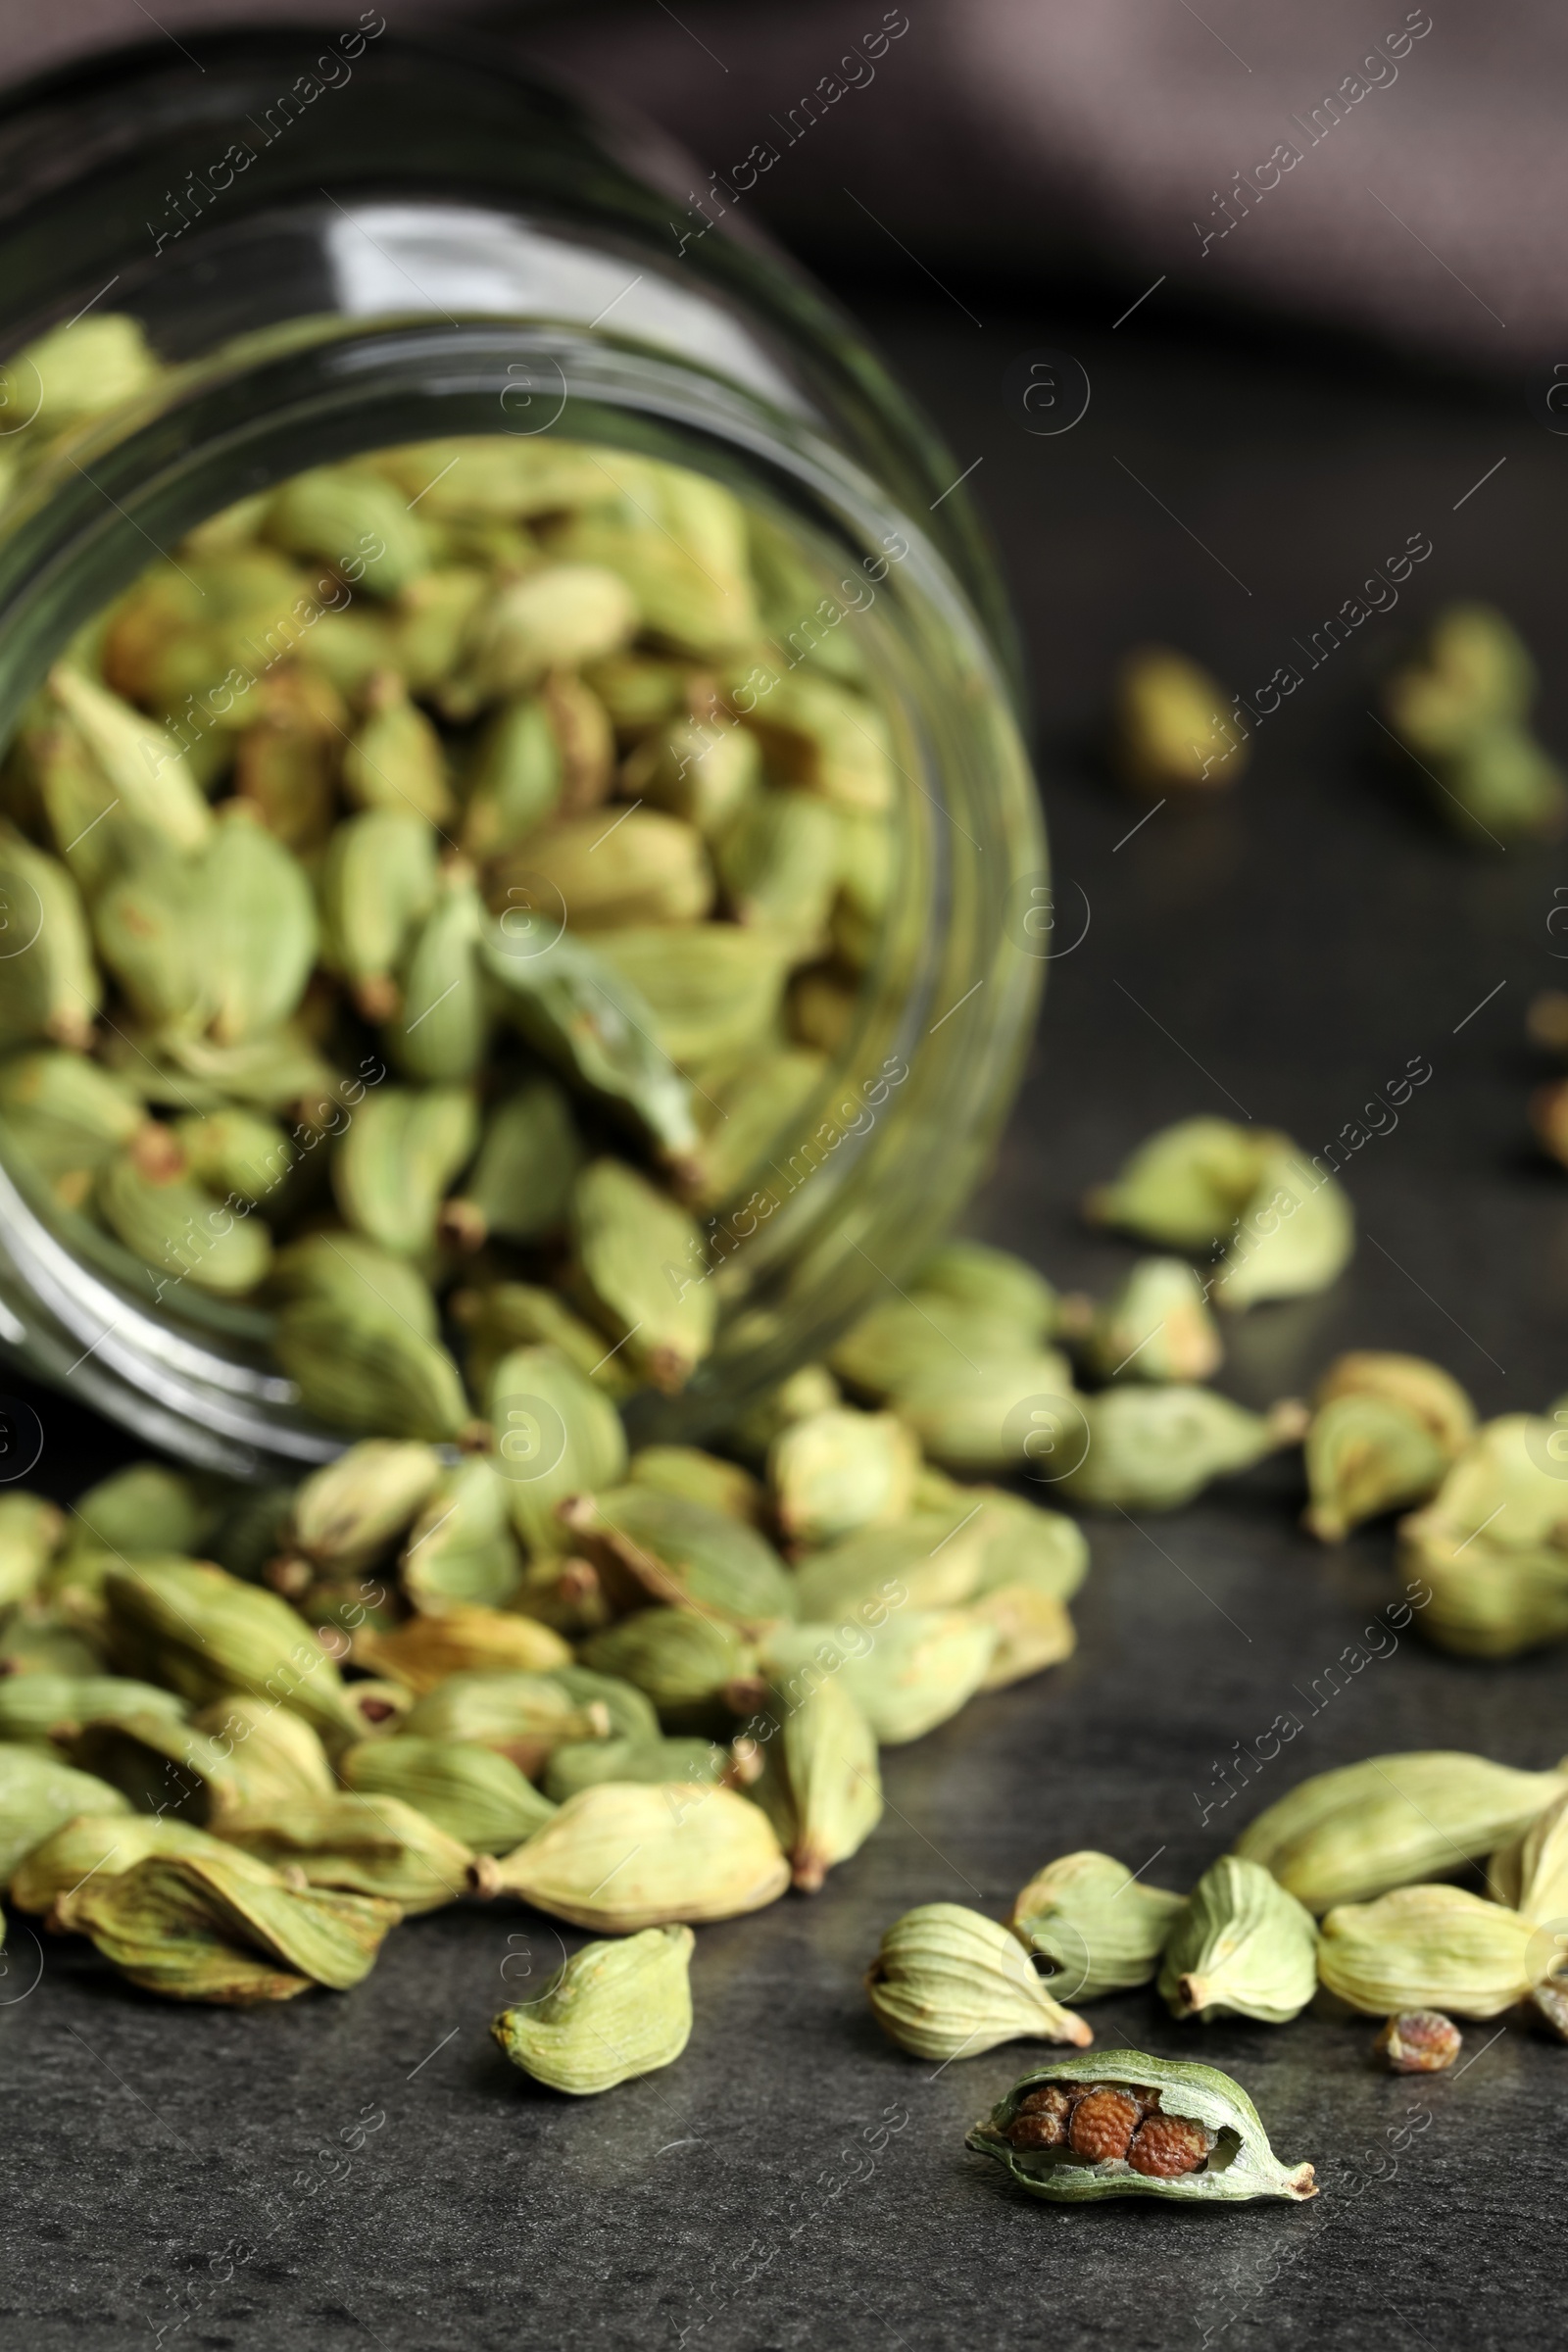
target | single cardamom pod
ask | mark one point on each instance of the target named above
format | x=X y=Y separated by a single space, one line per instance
x=147 y=1198
x=377 y=883
x=1153 y=1449
x=692 y=1476
x=811 y=1390
x=763 y=1106
x=345 y=1271
x=1419 y=2041
x=557 y=1434
x=93 y=1846
x=197 y=1929
x=902 y=1340
x=1432 y=1947
x=680 y=542
x=713 y=994
x=259 y=927
x=1156 y=1327
x=395 y=759
x=31 y=1530
x=607 y=871
x=516 y=779
x=697 y=1671
x=1098 y=1927
x=501 y=1316
x=554 y=618
x=586 y=1763
x=1490 y=1545
x=430 y=619
x=612 y=2012
x=649 y=1545
x=826 y=739
x=927 y=1561
x=286 y=761
x=1021 y=1543
x=706 y=776
x=461 y=1549
x=918 y=1667
x=642 y=691
x=520 y=1186
x=362 y=1365
x=138 y=760
x=1344 y=1835
x=333 y=512
x=1034 y=1630
x=820 y=1784
x=143 y=1509
x=1125 y=2124
x=37 y=1793
x=49 y=984
x=626 y=1856
x=1242 y=1947
x=640 y=1264
x=949 y=1983
x=357 y=1845
x=580 y=1013
x=236 y=1152
x=41 y=1706
x=353 y=1509
x=1168 y=726
x=1423 y=1388
x=208 y=1636
x=474 y=1795
x=1296 y=1235
x=968 y=1416
x=841 y=1471
x=779 y=856
x=520 y=1715
x=1184 y=1187
x=1530 y=1874
x=86 y=367
x=393 y=1166
x=1366 y=1455
x=63 y=1114
x=464 y=1639
x=443 y=1026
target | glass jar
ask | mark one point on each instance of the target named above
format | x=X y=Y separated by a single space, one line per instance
x=343 y=244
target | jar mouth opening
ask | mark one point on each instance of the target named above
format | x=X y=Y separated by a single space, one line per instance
x=251 y=415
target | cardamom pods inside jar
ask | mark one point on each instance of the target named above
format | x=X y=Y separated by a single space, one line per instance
x=520 y=890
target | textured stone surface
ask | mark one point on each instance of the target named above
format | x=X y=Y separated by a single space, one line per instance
x=190 y=2177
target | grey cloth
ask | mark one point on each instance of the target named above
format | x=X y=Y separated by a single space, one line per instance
x=1399 y=173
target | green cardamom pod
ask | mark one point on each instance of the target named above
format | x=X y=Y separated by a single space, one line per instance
x=1184 y=1187
x=141 y=1510
x=704 y=774
x=697 y=1671
x=362 y=1365
x=430 y=619
x=141 y=762
x=31 y=1530
x=714 y=991
x=586 y=1763
x=557 y=1434
x=347 y=515
x=640 y=1262
x=692 y=1476
x=460 y=1638
x=949 y=1983
x=679 y=544
x=906 y=1672
x=395 y=759
x=56 y=1706
x=820 y=1784
x=37 y=1793
x=1241 y=1948
x=1344 y=1835
x=1153 y=1449
x=147 y=1199
x=642 y=691
x=646 y=1545
x=1366 y=1455
x=612 y=2012
x=827 y=739
x=1156 y=1327
x=779 y=856
x=1168 y=716
x=1100 y=1929
x=197 y=1929
x=1490 y=1546
x=392 y=1168
x=501 y=1316
x=520 y=1186
x=461 y=1549
x=63 y=1114
x=554 y=618
x=207 y=1636
x=236 y=1152
x=762 y=1107
x=811 y=1390
x=520 y=1715
x=85 y=366
x=515 y=779
x=579 y=1013
x=93 y=1846
x=351 y=1511
x=1296 y=1235
x=356 y=1845
x=1432 y=1947
x=979 y=1415
x=841 y=1471
x=377 y=883
x=474 y=1794
x=1034 y=1630
x=49 y=984
x=345 y=1271
x=259 y=927
x=927 y=1335
x=274 y=1755
x=1530 y=1874
x=443 y=1026
x=287 y=762
x=1125 y=2124
x=626 y=1856
x=606 y=872
x=926 y=1561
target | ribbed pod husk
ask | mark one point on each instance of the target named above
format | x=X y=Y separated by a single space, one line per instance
x=628 y=1856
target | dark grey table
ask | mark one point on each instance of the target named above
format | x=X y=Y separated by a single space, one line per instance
x=369 y=2170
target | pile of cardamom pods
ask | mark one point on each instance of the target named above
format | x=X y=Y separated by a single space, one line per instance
x=1342 y=1885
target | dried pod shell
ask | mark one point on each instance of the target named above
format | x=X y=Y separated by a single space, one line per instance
x=1100 y=1928
x=1490 y=1546
x=949 y=1983
x=1432 y=1947
x=95 y=1845
x=612 y=2012
x=1239 y=2164
x=1363 y=1828
x=1241 y=1948
x=626 y=1856
x=1424 y=1389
